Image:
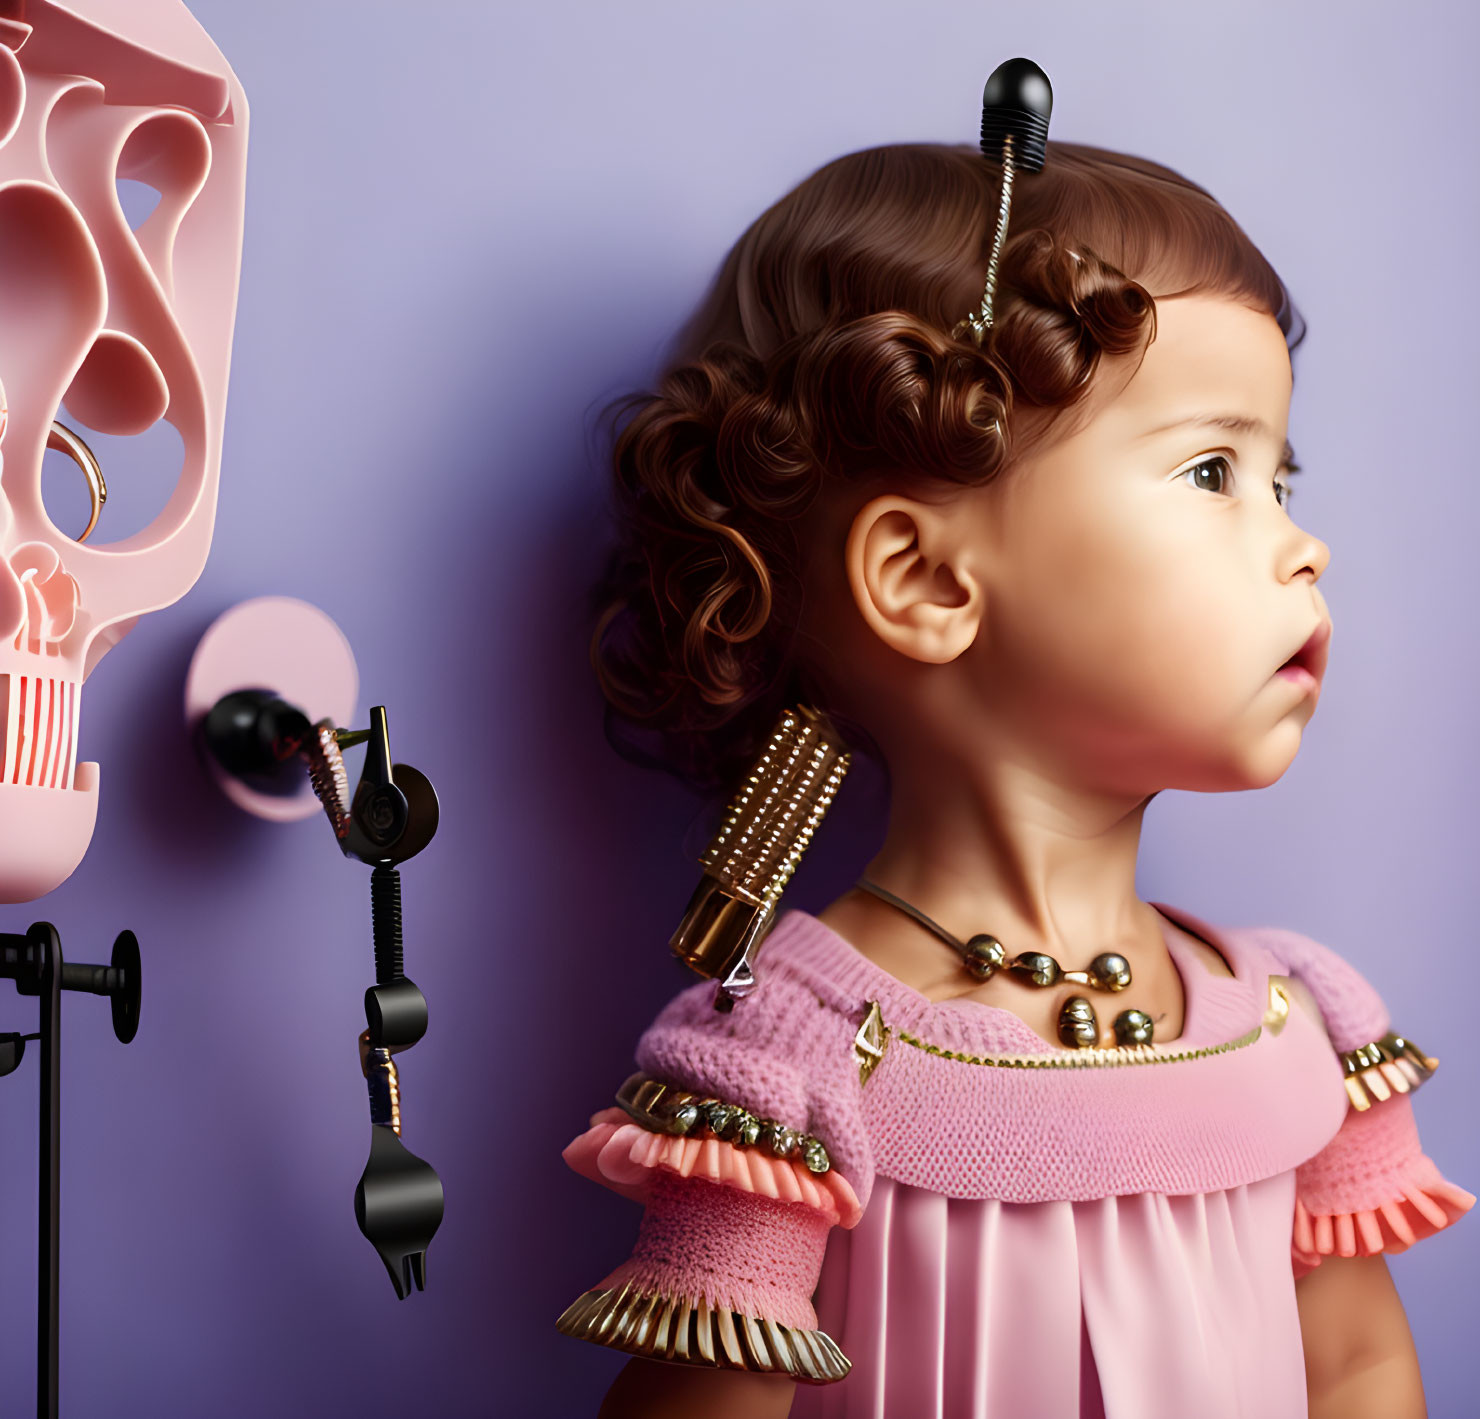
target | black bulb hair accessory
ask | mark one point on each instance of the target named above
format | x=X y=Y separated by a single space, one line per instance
x=1016 y=104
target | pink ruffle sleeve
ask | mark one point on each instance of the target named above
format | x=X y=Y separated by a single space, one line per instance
x=1372 y=1189
x=734 y=1229
x=727 y=1256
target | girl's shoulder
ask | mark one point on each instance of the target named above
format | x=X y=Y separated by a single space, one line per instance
x=1347 y=1004
x=786 y=1055
x=1371 y=1188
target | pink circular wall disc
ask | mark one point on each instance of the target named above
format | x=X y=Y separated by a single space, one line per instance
x=281 y=644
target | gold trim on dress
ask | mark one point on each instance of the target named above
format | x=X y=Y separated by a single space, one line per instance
x=691 y=1332
x=1377 y=1071
x=1116 y=1058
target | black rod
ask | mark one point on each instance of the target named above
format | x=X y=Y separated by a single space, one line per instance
x=49 y=1166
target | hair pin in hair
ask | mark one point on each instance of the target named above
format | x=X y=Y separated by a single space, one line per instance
x=766 y=829
x=1016 y=104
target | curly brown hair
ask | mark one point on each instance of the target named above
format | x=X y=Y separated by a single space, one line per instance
x=822 y=359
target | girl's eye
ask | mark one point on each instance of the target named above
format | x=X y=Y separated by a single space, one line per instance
x=1282 y=491
x=1212 y=475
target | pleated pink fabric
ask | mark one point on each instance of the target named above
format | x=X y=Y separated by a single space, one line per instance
x=1135 y=1307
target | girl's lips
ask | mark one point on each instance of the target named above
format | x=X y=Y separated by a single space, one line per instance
x=1299 y=675
x=1308 y=664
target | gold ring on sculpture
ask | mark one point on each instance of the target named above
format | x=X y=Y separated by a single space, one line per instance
x=63 y=439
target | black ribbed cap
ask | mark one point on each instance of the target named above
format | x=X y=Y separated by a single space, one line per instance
x=1017 y=100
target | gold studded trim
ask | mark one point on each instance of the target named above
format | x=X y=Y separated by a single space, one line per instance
x=1377 y=1071
x=691 y=1332
x=660 y=1107
x=1116 y=1057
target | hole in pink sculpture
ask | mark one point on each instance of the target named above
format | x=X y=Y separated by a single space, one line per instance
x=141 y=471
x=167 y=155
x=138 y=200
x=119 y=389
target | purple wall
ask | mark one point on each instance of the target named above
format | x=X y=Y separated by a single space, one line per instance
x=467 y=227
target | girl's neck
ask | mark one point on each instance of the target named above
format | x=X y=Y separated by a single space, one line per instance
x=1040 y=869
x=1002 y=850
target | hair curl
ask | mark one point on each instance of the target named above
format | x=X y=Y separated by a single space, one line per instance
x=821 y=358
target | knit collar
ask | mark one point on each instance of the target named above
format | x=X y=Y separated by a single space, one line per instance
x=1216 y=1007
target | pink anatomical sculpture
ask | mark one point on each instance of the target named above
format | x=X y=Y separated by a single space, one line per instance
x=112 y=328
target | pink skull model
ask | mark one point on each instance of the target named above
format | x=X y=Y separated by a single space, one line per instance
x=122 y=327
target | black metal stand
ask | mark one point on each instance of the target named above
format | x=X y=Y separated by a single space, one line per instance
x=34 y=962
x=49 y=1178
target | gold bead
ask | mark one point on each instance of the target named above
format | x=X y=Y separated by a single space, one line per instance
x=1079 y=1027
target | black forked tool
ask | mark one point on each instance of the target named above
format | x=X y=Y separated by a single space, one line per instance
x=398 y=1202
x=391 y=816
x=398 y=1205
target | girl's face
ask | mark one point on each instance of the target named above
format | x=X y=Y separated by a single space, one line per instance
x=1144 y=582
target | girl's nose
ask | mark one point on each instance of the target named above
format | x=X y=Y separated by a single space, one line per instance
x=1302 y=551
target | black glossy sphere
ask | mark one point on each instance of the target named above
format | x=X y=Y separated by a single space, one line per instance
x=1017 y=102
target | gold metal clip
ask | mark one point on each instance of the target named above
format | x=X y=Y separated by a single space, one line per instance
x=870 y=1042
x=766 y=830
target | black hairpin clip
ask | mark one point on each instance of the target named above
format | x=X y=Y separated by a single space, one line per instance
x=1016 y=104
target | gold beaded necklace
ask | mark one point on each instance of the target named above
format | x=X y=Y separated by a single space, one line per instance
x=1078 y=1025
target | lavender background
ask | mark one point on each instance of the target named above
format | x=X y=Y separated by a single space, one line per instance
x=468 y=226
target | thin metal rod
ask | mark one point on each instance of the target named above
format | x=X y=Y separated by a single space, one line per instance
x=977 y=325
x=989 y=297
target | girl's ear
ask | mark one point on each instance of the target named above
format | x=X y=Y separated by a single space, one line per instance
x=907 y=571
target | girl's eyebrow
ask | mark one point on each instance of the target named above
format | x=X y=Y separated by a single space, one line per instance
x=1239 y=423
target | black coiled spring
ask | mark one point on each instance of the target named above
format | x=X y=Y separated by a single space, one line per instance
x=385 y=920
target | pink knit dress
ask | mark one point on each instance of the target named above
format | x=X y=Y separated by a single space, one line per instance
x=1004 y=1228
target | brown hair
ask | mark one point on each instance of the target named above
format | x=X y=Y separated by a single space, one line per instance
x=822 y=358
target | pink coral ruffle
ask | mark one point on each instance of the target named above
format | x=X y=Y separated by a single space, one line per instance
x=619 y=1154
x=1426 y=1203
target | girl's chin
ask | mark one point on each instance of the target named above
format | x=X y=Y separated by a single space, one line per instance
x=1249 y=767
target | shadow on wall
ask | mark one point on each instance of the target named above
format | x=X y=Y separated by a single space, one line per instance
x=172 y=801
x=614 y=848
